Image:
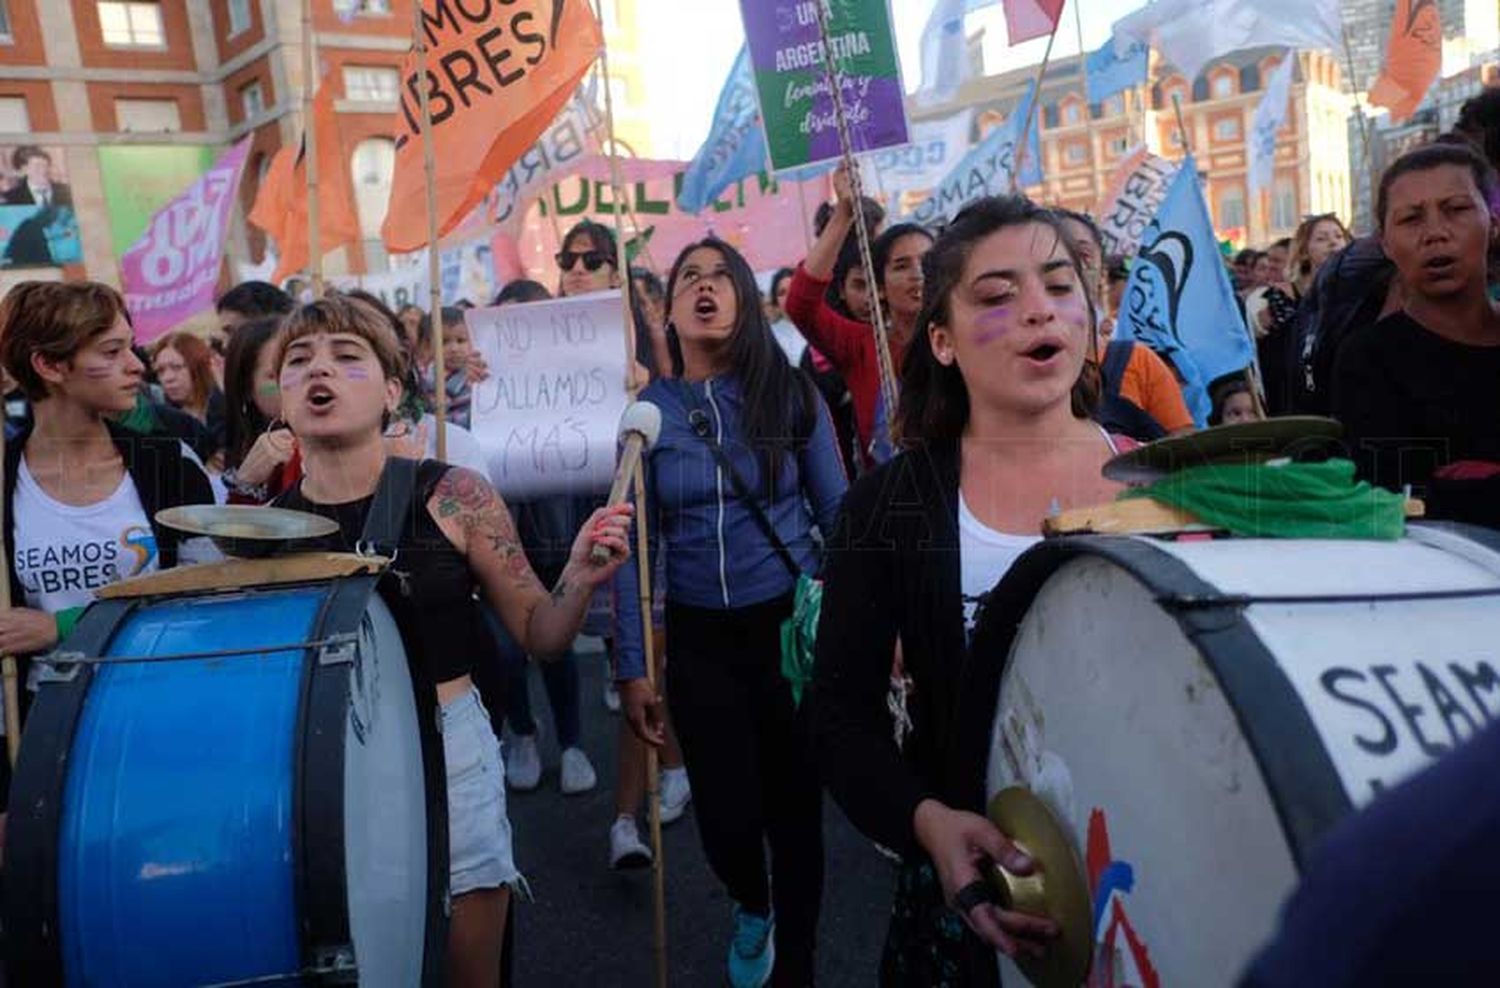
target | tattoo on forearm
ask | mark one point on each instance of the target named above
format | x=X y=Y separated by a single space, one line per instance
x=560 y=591
x=469 y=500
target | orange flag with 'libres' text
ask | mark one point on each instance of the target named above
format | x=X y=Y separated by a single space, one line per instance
x=1413 y=57
x=494 y=85
x=281 y=202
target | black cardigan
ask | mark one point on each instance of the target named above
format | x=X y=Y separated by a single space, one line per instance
x=164 y=476
x=893 y=570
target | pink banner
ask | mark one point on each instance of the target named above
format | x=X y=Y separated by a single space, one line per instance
x=768 y=221
x=171 y=272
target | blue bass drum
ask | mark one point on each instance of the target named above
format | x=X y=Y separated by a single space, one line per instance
x=230 y=788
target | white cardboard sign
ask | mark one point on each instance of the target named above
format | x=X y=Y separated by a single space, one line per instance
x=548 y=414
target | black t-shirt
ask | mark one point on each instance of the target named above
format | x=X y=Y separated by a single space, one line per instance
x=1413 y=405
x=429 y=586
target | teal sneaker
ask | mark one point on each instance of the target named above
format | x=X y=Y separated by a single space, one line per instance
x=752 y=952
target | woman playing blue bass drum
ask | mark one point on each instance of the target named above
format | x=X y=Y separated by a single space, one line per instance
x=340 y=370
x=745 y=466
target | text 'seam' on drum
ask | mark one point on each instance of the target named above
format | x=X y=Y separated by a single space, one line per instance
x=225 y=788
x=1199 y=713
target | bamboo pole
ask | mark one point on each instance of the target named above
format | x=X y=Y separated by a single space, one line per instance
x=434 y=258
x=8 y=666
x=1182 y=131
x=310 y=148
x=861 y=229
x=1036 y=100
x=643 y=562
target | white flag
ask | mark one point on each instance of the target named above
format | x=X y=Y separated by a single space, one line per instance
x=1270 y=114
x=1191 y=33
x=945 y=56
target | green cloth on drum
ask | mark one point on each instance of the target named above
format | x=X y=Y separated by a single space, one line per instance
x=799 y=636
x=1286 y=500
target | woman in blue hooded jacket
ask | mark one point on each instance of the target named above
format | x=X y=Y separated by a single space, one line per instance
x=736 y=416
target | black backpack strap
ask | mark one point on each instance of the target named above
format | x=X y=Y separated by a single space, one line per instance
x=391 y=507
x=1116 y=359
x=698 y=421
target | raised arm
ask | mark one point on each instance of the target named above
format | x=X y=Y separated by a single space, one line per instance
x=825 y=250
x=473 y=516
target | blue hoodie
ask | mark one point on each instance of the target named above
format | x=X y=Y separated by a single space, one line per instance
x=716 y=555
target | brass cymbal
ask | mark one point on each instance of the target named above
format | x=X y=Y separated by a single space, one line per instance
x=244 y=530
x=1296 y=437
x=1058 y=889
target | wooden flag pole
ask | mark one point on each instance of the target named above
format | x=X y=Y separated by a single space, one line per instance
x=434 y=258
x=1036 y=99
x=861 y=229
x=8 y=666
x=642 y=558
x=1182 y=131
x=310 y=147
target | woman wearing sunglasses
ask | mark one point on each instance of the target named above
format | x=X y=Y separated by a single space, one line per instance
x=587 y=260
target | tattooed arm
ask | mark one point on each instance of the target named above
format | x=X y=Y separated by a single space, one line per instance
x=474 y=518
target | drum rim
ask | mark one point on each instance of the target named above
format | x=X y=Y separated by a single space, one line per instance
x=1306 y=790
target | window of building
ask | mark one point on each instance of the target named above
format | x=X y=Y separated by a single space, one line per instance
x=368 y=8
x=1072 y=113
x=252 y=99
x=1119 y=145
x=1284 y=204
x=4 y=21
x=239 y=17
x=131 y=25
x=372 y=83
x=148 y=116
x=1076 y=153
x=1114 y=106
x=1231 y=208
x=1223 y=86
x=1227 y=129
x=13 y=116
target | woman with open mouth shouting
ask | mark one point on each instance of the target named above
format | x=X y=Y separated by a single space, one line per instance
x=995 y=409
x=848 y=343
x=745 y=465
x=340 y=369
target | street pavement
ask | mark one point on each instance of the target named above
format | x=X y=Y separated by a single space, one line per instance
x=592 y=926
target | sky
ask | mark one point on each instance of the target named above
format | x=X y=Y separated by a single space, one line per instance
x=698 y=42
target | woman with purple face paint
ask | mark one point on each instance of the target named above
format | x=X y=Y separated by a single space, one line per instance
x=341 y=368
x=995 y=409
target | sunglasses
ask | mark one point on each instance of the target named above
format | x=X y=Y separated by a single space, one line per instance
x=593 y=260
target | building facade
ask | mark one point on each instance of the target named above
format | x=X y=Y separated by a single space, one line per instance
x=1082 y=145
x=132 y=98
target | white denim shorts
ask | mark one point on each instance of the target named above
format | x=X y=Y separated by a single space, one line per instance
x=480 y=854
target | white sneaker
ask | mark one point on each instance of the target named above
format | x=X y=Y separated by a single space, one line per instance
x=626 y=850
x=577 y=773
x=523 y=763
x=675 y=794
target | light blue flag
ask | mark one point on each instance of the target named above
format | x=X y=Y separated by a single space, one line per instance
x=736 y=145
x=1178 y=300
x=986 y=170
x=1112 y=69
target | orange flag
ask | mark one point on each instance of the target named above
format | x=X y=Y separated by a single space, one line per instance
x=494 y=84
x=1413 y=57
x=281 y=203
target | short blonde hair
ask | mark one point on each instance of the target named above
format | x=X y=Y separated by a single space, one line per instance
x=336 y=313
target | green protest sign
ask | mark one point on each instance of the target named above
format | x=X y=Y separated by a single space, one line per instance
x=140 y=179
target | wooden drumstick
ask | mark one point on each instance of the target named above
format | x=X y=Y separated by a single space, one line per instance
x=639 y=427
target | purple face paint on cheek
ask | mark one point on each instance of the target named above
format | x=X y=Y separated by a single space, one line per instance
x=995 y=323
x=292 y=379
x=97 y=373
x=357 y=374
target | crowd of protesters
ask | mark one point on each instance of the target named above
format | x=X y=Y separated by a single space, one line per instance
x=778 y=459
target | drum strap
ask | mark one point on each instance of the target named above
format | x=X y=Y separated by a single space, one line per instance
x=391 y=507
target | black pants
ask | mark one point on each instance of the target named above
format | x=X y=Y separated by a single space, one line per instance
x=750 y=761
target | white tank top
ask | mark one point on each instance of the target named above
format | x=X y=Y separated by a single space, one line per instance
x=64 y=553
